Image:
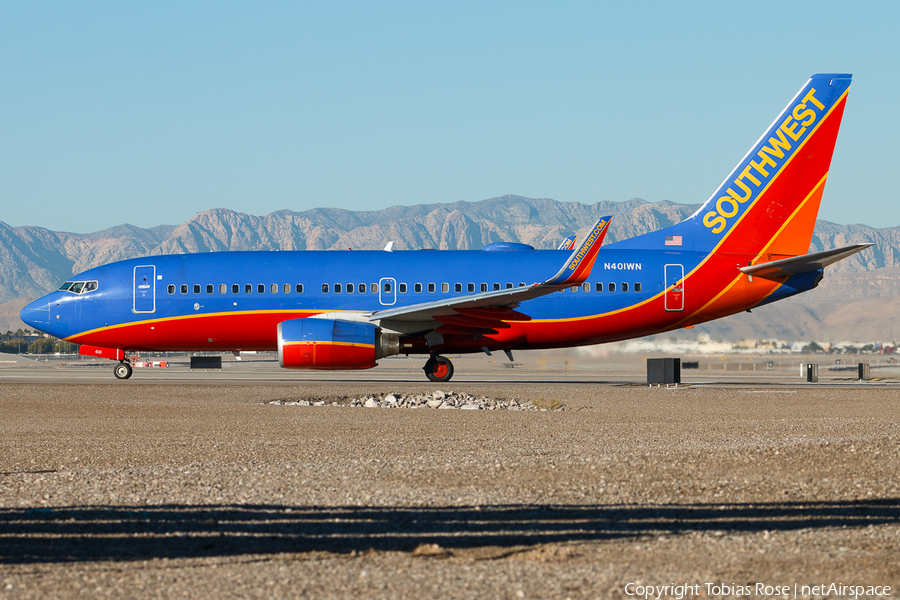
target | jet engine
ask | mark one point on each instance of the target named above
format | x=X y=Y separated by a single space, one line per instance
x=333 y=344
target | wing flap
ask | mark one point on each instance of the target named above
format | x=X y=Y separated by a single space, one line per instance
x=464 y=321
x=493 y=313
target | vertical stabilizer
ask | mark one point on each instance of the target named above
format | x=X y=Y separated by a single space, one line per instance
x=769 y=202
x=767 y=206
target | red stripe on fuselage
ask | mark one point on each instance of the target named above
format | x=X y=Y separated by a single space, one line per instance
x=216 y=332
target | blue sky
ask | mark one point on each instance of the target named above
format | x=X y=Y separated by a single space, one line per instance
x=147 y=113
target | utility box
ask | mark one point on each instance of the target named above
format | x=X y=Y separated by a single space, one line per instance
x=206 y=362
x=663 y=370
x=864 y=374
x=812 y=373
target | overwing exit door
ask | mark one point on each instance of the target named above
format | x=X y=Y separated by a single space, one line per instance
x=387 y=291
x=674 y=296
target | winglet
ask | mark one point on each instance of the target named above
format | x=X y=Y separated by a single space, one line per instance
x=568 y=243
x=581 y=261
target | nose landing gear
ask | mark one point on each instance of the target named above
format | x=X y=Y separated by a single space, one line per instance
x=122 y=370
x=438 y=369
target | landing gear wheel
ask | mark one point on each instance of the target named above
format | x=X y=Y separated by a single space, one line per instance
x=122 y=370
x=439 y=369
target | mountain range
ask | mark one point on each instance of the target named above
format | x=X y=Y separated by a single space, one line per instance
x=857 y=301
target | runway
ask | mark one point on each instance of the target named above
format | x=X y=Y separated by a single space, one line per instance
x=561 y=368
x=190 y=484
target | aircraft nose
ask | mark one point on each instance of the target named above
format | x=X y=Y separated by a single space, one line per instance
x=37 y=314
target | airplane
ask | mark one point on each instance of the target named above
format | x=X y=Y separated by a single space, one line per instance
x=745 y=247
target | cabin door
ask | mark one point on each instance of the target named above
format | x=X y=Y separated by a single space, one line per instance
x=144 y=289
x=387 y=291
x=674 y=288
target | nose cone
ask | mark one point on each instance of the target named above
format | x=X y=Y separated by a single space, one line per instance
x=37 y=314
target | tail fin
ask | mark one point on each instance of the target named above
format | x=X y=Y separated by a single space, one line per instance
x=768 y=204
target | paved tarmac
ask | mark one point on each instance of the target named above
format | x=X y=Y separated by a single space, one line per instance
x=190 y=484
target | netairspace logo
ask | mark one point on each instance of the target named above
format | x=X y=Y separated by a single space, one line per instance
x=757 y=590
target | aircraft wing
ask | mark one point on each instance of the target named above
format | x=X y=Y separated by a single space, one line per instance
x=802 y=264
x=574 y=271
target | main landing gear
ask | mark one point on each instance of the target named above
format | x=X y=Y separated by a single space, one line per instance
x=122 y=370
x=438 y=368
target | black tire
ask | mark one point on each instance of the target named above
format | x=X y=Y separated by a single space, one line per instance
x=122 y=370
x=439 y=369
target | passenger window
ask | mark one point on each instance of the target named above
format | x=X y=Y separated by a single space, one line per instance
x=299 y=288
x=387 y=287
x=611 y=286
x=638 y=287
x=248 y=288
x=260 y=288
x=431 y=288
x=209 y=288
x=337 y=288
x=445 y=287
x=349 y=288
x=373 y=287
x=324 y=288
x=183 y=288
x=196 y=288
x=521 y=284
x=273 y=288
x=484 y=287
x=362 y=288
x=586 y=287
x=509 y=285
x=573 y=289
x=598 y=286
x=418 y=288
x=624 y=287
x=402 y=288
x=457 y=287
x=496 y=286
x=286 y=288
x=171 y=288
x=470 y=287
x=235 y=288
x=223 y=289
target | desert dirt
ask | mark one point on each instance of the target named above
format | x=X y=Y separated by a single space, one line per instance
x=189 y=490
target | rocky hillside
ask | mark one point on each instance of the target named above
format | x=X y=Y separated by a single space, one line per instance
x=34 y=260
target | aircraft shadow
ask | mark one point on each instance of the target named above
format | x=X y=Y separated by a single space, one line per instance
x=94 y=533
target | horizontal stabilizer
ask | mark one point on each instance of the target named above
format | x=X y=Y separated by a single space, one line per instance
x=802 y=264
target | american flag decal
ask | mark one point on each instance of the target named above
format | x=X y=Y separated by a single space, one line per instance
x=673 y=240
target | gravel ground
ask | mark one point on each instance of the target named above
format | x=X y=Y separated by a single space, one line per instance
x=201 y=491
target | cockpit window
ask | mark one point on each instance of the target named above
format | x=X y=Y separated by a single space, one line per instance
x=78 y=287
